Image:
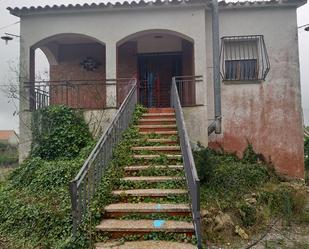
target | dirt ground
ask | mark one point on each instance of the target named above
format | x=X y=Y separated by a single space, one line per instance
x=279 y=235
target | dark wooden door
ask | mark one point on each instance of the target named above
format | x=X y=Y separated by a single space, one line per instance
x=155 y=75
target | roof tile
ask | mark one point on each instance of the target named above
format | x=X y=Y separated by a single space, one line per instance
x=141 y=3
x=6 y=134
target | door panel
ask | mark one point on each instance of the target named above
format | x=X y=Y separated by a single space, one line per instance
x=155 y=75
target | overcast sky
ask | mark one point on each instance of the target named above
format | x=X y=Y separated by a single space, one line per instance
x=9 y=56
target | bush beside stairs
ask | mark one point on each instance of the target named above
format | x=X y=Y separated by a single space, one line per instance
x=152 y=202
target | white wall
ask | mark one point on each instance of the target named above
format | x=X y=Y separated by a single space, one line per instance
x=111 y=27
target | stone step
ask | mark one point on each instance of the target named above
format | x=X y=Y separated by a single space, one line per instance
x=148 y=244
x=147 y=208
x=161 y=110
x=158 y=120
x=158 y=115
x=145 y=226
x=166 y=133
x=150 y=192
x=160 y=126
x=153 y=128
x=156 y=148
x=151 y=179
x=146 y=167
x=162 y=140
x=150 y=157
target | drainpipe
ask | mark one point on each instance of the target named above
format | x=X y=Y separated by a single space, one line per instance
x=216 y=125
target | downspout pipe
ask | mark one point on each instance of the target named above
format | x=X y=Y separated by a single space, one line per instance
x=216 y=125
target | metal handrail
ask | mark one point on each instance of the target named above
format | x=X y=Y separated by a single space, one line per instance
x=186 y=86
x=84 y=185
x=192 y=179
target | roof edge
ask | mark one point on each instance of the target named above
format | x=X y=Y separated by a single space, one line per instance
x=26 y=11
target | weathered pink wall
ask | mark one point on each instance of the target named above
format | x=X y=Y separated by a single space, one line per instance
x=269 y=117
x=266 y=114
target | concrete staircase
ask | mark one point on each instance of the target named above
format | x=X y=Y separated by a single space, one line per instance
x=155 y=197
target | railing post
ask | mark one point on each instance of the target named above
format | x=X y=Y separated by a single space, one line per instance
x=73 y=193
x=198 y=216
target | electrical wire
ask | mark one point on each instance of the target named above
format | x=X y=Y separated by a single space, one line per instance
x=6 y=26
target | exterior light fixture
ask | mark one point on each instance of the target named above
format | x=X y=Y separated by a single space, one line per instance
x=306 y=27
x=90 y=64
x=8 y=37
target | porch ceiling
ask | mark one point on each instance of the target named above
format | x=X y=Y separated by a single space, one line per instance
x=22 y=11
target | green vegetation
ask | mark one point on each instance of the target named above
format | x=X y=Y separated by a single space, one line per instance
x=34 y=201
x=247 y=191
x=35 y=208
x=59 y=132
x=8 y=155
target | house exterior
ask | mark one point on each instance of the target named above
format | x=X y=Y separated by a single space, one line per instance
x=95 y=49
x=9 y=137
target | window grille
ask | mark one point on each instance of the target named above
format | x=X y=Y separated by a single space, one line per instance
x=244 y=58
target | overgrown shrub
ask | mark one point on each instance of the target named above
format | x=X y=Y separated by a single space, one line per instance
x=247 y=213
x=58 y=132
x=226 y=172
x=35 y=207
x=284 y=201
x=250 y=156
x=204 y=164
x=8 y=155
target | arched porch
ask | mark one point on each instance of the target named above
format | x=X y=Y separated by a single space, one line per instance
x=154 y=57
x=77 y=72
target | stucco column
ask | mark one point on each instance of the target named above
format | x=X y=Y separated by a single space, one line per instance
x=196 y=117
x=111 y=64
x=200 y=69
x=27 y=56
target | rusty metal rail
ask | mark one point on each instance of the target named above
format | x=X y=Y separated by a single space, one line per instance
x=78 y=94
x=192 y=179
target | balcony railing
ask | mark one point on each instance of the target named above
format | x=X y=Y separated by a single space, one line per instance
x=158 y=95
x=186 y=86
x=78 y=94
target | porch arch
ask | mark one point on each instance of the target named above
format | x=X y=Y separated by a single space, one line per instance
x=154 y=56
x=78 y=59
x=152 y=31
x=50 y=50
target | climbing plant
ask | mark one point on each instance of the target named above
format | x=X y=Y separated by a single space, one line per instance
x=58 y=132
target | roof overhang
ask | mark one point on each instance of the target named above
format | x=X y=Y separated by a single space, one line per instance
x=157 y=4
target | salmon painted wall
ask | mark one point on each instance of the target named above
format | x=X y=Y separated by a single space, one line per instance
x=266 y=114
x=88 y=90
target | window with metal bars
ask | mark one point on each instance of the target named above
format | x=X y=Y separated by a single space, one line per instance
x=244 y=58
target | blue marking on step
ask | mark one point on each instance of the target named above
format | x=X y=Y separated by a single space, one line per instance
x=158 y=223
x=158 y=207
